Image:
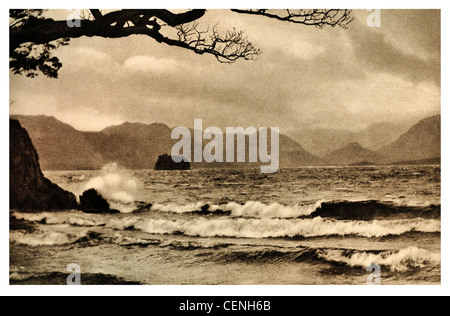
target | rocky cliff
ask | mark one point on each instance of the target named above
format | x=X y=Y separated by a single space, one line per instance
x=29 y=189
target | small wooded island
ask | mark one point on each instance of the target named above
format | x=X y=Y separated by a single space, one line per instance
x=165 y=162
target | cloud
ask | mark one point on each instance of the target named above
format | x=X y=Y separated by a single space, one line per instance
x=151 y=64
x=92 y=54
x=305 y=76
x=82 y=59
x=304 y=49
x=376 y=53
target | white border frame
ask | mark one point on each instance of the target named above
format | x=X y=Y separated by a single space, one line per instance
x=5 y=289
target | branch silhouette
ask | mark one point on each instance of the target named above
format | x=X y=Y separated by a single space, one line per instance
x=33 y=38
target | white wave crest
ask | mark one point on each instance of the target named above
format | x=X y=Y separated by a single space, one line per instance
x=266 y=228
x=400 y=261
x=179 y=209
x=42 y=238
x=61 y=218
x=249 y=209
x=274 y=210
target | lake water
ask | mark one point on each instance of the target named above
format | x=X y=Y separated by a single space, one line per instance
x=221 y=226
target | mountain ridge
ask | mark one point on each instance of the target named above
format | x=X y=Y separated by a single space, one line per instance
x=133 y=145
x=323 y=141
x=422 y=141
x=138 y=146
x=353 y=153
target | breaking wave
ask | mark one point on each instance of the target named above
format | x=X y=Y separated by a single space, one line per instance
x=279 y=228
x=394 y=260
x=117 y=186
x=249 y=209
x=400 y=261
x=57 y=218
x=242 y=221
x=43 y=238
x=342 y=210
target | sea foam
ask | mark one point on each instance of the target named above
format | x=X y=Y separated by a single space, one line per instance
x=117 y=186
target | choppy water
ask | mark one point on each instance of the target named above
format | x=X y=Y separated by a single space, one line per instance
x=299 y=226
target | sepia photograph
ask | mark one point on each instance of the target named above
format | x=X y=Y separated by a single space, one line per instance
x=224 y=147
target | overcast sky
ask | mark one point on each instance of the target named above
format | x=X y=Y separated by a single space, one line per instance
x=305 y=77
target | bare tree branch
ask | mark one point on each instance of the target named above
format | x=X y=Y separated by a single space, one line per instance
x=313 y=17
x=227 y=48
x=30 y=32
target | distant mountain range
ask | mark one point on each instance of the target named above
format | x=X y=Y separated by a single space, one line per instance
x=322 y=142
x=353 y=154
x=422 y=141
x=421 y=144
x=138 y=146
x=132 y=145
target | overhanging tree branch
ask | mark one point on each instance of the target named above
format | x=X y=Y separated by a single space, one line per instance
x=96 y=13
x=312 y=17
x=33 y=37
